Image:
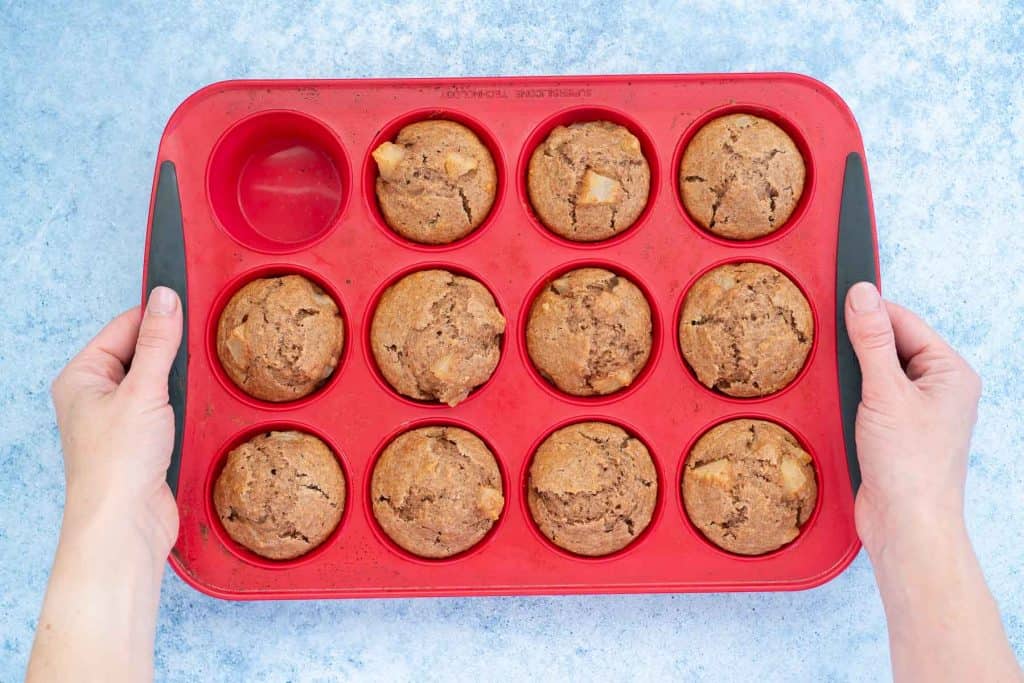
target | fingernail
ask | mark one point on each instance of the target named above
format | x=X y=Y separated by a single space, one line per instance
x=864 y=298
x=162 y=301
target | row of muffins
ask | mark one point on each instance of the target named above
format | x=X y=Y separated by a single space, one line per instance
x=745 y=329
x=748 y=486
x=741 y=177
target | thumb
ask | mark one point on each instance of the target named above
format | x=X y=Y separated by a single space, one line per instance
x=156 y=346
x=871 y=335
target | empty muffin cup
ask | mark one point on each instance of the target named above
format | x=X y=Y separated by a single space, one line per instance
x=277 y=181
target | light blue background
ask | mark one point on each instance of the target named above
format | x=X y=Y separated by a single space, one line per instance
x=85 y=89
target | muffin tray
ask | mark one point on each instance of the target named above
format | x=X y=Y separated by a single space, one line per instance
x=258 y=178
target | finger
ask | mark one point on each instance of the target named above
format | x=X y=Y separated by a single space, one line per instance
x=913 y=335
x=159 y=337
x=874 y=342
x=103 y=359
x=922 y=349
x=117 y=338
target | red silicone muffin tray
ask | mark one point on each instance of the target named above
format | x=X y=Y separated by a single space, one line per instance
x=258 y=178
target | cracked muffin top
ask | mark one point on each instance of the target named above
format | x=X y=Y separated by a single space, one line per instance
x=436 y=491
x=588 y=181
x=436 y=182
x=748 y=486
x=745 y=329
x=280 y=338
x=280 y=494
x=589 y=332
x=436 y=336
x=592 y=488
x=741 y=177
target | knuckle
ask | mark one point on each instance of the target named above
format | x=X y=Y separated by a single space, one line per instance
x=57 y=386
x=972 y=381
x=882 y=396
x=871 y=416
x=128 y=388
x=875 y=336
x=141 y=391
x=964 y=375
x=874 y=397
x=151 y=339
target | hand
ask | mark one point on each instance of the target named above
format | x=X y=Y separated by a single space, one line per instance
x=120 y=520
x=117 y=428
x=919 y=403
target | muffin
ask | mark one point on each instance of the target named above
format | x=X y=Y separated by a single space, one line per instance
x=589 y=332
x=436 y=491
x=436 y=182
x=748 y=486
x=745 y=329
x=436 y=336
x=592 y=488
x=280 y=494
x=741 y=177
x=588 y=181
x=279 y=338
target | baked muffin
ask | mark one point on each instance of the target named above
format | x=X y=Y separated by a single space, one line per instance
x=280 y=494
x=741 y=177
x=436 y=336
x=436 y=182
x=436 y=491
x=748 y=486
x=588 y=181
x=745 y=329
x=589 y=332
x=592 y=488
x=280 y=338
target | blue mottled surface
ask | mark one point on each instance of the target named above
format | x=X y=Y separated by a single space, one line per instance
x=85 y=90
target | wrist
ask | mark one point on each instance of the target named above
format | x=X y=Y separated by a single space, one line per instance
x=908 y=527
x=917 y=548
x=109 y=529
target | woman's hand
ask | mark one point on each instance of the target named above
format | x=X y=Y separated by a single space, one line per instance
x=116 y=426
x=919 y=402
x=120 y=518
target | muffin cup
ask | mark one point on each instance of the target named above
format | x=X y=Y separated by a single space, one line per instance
x=389 y=132
x=278 y=181
x=524 y=489
x=386 y=540
x=780 y=120
x=236 y=548
x=656 y=333
x=805 y=528
x=273 y=270
x=586 y=114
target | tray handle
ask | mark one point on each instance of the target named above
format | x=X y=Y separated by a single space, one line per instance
x=855 y=262
x=165 y=265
